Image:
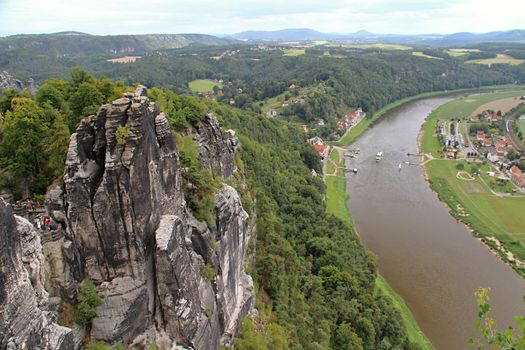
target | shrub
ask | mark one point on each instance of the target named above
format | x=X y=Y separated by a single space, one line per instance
x=88 y=299
x=122 y=134
x=208 y=272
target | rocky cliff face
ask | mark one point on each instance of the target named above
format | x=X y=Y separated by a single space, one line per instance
x=26 y=317
x=127 y=227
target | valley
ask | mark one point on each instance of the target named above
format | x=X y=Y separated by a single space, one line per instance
x=263 y=190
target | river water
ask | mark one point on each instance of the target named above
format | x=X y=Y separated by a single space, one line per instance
x=431 y=260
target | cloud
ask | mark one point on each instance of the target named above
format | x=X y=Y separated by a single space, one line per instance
x=228 y=16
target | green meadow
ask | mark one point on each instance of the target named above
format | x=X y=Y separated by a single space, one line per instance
x=203 y=85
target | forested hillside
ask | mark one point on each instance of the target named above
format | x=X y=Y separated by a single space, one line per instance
x=332 y=80
x=314 y=280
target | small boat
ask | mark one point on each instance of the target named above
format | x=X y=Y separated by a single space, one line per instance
x=399 y=166
x=379 y=156
x=355 y=170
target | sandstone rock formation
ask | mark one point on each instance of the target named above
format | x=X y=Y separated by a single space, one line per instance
x=25 y=322
x=127 y=227
x=8 y=82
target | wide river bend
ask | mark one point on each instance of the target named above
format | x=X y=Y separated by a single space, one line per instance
x=429 y=258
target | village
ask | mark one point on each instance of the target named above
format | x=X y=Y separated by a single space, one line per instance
x=344 y=125
x=485 y=138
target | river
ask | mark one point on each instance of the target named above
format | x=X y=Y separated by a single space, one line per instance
x=429 y=258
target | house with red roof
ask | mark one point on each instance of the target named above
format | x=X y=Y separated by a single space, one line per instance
x=480 y=135
x=517 y=176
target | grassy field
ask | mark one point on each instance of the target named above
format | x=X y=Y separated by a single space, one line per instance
x=294 y=52
x=521 y=126
x=203 y=85
x=380 y=46
x=421 y=54
x=486 y=213
x=499 y=59
x=460 y=52
x=336 y=204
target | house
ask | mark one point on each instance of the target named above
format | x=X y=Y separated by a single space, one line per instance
x=321 y=122
x=305 y=128
x=342 y=124
x=316 y=140
x=503 y=143
x=522 y=117
x=474 y=118
x=480 y=135
x=493 y=157
x=352 y=116
x=271 y=113
x=292 y=86
x=323 y=150
x=285 y=104
x=232 y=101
x=487 y=142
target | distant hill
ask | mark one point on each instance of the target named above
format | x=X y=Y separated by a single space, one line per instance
x=75 y=43
x=457 y=39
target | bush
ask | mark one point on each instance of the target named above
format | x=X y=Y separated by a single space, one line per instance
x=88 y=299
x=122 y=134
x=460 y=166
x=208 y=272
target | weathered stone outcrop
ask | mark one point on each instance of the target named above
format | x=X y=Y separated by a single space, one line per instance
x=8 y=82
x=127 y=227
x=217 y=148
x=24 y=321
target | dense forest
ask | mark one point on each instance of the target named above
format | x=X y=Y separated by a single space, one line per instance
x=332 y=80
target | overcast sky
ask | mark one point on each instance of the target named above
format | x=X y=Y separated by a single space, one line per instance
x=227 y=16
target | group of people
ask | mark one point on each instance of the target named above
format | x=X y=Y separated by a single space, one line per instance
x=29 y=204
x=45 y=223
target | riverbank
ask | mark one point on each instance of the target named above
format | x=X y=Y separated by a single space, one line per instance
x=494 y=219
x=351 y=136
x=337 y=204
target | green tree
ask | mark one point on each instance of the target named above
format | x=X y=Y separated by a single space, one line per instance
x=58 y=145
x=23 y=129
x=80 y=76
x=491 y=337
x=50 y=94
x=86 y=100
x=88 y=299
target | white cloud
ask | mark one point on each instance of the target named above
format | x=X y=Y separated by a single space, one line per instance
x=212 y=16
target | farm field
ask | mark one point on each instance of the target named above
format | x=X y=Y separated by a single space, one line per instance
x=125 y=59
x=500 y=58
x=460 y=52
x=203 y=85
x=503 y=105
x=294 y=52
x=421 y=54
x=375 y=46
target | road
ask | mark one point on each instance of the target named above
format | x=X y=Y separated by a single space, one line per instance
x=511 y=136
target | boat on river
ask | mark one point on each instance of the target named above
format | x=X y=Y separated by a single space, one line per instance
x=379 y=156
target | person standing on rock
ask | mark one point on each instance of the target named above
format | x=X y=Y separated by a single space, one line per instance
x=38 y=224
x=47 y=222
